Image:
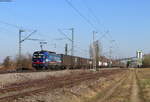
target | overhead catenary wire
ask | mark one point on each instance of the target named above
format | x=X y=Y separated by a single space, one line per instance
x=62 y=33
x=86 y=19
x=12 y=25
x=91 y=12
x=3 y=29
x=77 y=10
x=66 y=37
x=95 y=17
x=16 y=26
x=80 y=14
x=98 y=22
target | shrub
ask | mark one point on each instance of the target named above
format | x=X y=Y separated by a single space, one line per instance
x=23 y=62
x=146 y=61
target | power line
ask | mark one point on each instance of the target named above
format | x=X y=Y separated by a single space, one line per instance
x=98 y=21
x=80 y=14
x=3 y=29
x=93 y=14
x=62 y=33
x=91 y=11
x=15 y=26
x=12 y=25
x=70 y=39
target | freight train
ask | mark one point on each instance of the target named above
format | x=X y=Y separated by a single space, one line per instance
x=51 y=60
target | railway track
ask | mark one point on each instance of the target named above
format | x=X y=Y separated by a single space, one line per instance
x=28 y=88
x=48 y=70
x=27 y=71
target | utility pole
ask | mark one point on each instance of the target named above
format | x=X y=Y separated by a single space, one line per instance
x=110 y=53
x=20 y=40
x=66 y=49
x=72 y=42
x=94 y=57
x=20 y=43
x=72 y=49
x=70 y=39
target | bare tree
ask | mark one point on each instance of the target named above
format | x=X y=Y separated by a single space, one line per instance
x=7 y=62
x=24 y=62
x=95 y=51
x=146 y=60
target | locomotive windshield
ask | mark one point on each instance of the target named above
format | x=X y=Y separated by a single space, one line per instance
x=38 y=56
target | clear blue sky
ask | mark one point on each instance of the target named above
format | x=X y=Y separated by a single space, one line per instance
x=128 y=22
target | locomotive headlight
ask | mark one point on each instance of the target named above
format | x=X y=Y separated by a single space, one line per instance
x=46 y=60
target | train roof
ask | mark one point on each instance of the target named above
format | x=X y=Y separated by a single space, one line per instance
x=42 y=51
x=74 y=56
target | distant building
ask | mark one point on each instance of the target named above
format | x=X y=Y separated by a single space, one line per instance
x=139 y=56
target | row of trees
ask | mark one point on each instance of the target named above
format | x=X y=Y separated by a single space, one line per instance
x=24 y=61
x=146 y=60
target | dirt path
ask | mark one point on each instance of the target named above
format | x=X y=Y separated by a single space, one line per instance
x=117 y=92
x=105 y=94
x=135 y=89
x=112 y=90
x=125 y=90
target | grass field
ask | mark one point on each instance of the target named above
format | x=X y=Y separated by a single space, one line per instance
x=144 y=83
x=115 y=85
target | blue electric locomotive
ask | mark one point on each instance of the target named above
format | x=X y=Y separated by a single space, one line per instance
x=46 y=60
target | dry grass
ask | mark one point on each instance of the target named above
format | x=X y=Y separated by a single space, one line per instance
x=82 y=92
x=12 y=64
x=144 y=82
x=146 y=60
